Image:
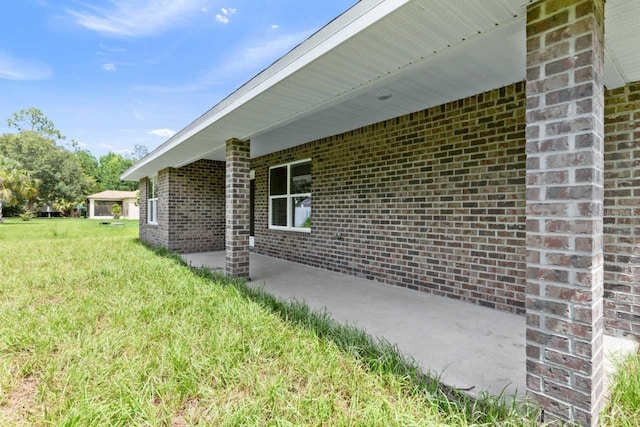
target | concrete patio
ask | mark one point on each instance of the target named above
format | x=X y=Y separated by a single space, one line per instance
x=471 y=347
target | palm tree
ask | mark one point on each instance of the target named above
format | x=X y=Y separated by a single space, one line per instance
x=16 y=185
x=5 y=191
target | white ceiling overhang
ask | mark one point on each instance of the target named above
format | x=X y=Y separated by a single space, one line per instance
x=421 y=52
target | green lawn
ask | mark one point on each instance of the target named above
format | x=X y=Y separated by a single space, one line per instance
x=97 y=329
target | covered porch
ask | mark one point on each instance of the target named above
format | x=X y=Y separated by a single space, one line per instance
x=473 y=348
x=486 y=151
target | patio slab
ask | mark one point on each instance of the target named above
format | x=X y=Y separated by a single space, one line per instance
x=471 y=347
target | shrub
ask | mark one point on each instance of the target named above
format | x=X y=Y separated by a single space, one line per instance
x=26 y=216
x=116 y=211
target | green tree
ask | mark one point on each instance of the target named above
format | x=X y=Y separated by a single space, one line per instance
x=89 y=165
x=34 y=120
x=59 y=172
x=107 y=169
x=65 y=177
x=110 y=167
x=16 y=185
x=88 y=162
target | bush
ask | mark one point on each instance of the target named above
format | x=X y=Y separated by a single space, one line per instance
x=26 y=216
x=116 y=211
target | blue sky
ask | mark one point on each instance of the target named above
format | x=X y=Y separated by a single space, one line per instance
x=115 y=73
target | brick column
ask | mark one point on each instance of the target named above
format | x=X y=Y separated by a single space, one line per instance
x=564 y=208
x=237 y=208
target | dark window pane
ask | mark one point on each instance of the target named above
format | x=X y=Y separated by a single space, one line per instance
x=301 y=212
x=104 y=208
x=301 y=178
x=279 y=212
x=278 y=181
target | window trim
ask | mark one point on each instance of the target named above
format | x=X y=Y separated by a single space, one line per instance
x=288 y=196
x=152 y=202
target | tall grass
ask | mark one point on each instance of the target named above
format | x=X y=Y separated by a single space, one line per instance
x=623 y=408
x=384 y=358
x=97 y=329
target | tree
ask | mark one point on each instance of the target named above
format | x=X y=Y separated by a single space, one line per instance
x=139 y=151
x=34 y=120
x=16 y=185
x=107 y=170
x=89 y=165
x=110 y=167
x=59 y=172
x=65 y=177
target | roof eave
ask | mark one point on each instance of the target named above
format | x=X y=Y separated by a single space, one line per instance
x=360 y=16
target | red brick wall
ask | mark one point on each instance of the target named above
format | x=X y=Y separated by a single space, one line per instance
x=622 y=210
x=432 y=201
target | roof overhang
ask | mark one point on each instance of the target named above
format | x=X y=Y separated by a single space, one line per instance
x=112 y=195
x=110 y=199
x=420 y=52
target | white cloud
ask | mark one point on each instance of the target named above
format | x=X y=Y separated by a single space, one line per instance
x=138 y=116
x=165 y=133
x=12 y=68
x=109 y=67
x=250 y=57
x=275 y=26
x=135 y=19
x=223 y=17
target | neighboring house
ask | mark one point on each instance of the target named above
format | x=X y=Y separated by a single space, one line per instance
x=101 y=204
x=484 y=150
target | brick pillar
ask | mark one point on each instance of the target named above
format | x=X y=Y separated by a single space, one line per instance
x=564 y=208
x=237 y=208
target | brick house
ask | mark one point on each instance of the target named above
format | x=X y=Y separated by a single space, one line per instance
x=486 y=151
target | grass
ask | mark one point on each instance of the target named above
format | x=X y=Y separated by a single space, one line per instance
x=97 y=329
x=623 y=408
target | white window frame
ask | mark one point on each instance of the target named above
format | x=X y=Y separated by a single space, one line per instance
x=289 y=197
x=152 y=203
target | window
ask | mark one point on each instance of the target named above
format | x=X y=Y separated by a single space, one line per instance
x=290 y=196
x=152 y=200
x=103 y=207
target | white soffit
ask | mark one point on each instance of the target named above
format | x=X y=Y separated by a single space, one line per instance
x=424 y=53
x=481 y=63
x=622 y=42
